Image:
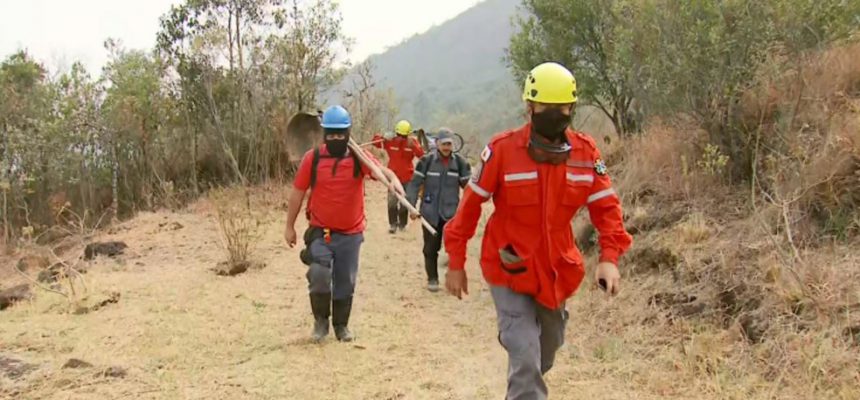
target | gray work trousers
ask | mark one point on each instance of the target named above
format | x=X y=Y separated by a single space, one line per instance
x=335 y=265
x=531 y=334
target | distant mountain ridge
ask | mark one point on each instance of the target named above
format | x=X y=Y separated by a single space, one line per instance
x=454 y=74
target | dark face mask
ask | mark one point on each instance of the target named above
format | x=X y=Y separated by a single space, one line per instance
x=550 y=124
x=336 y=148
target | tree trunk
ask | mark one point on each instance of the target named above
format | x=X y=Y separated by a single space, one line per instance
x=43 y=191
x=114 y=185
x=241 y=79
x=219 y=126
x=83 y=186
x=230 y=35
x=5 y=183
x=237 y=15
x=195 y=187
x=5 y=218
x=147 y=181
x=3 y=156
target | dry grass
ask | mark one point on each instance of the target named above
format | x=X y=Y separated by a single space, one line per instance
x=775 y=264
x=806 y=125
x=664 y=160
x=237 y=223
x=182 y=332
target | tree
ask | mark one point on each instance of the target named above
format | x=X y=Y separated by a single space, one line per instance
x=372 y=109
x=83 y=168
x=24 y=103
x=133 y=114
x=309 y=49
x=592 y=39
x=701 y=57
x=207 y=108
x=663 y=57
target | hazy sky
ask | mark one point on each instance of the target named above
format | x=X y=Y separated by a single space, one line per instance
x=59 y=32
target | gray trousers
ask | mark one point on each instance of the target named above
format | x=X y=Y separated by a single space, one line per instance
x=335 y=265
x=531 y=334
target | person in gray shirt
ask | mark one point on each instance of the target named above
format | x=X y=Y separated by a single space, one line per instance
x=441 y=174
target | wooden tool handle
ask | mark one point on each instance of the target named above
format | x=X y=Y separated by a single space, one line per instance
x=384 y=179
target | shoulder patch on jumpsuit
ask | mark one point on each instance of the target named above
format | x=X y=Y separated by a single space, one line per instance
x=487 y=153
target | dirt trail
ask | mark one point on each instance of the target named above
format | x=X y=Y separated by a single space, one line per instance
x=182 y=332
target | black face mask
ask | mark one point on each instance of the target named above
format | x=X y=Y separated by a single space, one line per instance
x=550 y=124
x=336 y=148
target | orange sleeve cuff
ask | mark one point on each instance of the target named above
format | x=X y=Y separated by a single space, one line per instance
x=456 y=263
x=609 y=255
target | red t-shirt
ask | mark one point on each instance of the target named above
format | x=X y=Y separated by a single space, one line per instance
x=337 y=199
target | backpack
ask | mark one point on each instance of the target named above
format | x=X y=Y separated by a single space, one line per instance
x=356 y=165
x=455 y=156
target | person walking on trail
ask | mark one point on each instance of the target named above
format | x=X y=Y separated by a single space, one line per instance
x=538 y=175
x=402 y=150
x=441 y=174
x=336 y=222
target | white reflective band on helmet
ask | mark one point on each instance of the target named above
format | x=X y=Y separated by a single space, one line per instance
x=522 y=176
x=433 y=174
x=601 y=194
x=453 y=173
x=580 y=178
x=479 y=190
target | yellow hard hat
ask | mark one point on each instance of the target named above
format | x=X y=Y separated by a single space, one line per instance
x=403 y=128
x=550 y=83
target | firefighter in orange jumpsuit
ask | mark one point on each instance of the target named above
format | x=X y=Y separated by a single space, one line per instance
x=538 y=176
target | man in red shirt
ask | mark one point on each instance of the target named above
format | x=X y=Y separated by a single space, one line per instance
x=336 y=213
x=402 y=150
x=539 y=176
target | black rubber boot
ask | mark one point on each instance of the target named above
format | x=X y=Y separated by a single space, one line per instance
x=321 y=307
x=392 y=217
x=431 y=267
x=340 y=318
x=402 y=216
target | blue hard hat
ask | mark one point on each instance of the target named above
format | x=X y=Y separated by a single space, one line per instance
x=336 y=117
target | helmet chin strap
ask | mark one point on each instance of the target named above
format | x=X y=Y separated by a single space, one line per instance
x=563 y=147
x=545 y=153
